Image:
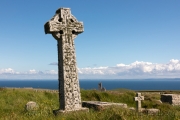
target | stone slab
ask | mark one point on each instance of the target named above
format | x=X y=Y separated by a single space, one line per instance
x=98 y=105
x=151 y=111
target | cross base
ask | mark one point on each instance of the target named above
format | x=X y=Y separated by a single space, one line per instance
x=84 y=109
x=140 y=110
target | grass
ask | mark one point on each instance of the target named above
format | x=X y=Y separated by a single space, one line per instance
x=12 y=103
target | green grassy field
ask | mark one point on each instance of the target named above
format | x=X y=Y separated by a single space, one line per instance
x=12 y=104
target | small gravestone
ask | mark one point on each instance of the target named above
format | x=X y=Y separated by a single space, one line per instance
x=138 y=100
x=150 y=111
x=31 y=106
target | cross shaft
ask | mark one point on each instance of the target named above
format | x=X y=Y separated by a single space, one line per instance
x=64 y=27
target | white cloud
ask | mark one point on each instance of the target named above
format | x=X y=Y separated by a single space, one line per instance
x=33 y=71
x=8 y=71
x=137 y=69
x=52 y=72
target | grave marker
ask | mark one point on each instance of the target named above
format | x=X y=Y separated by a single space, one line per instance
x=138 y=100
x=64 y=27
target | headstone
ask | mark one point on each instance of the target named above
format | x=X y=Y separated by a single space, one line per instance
x=64 y=27
x=173 y=99
x=31 y=105
x=138 y=100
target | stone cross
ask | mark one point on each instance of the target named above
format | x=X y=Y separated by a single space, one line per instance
x=138 y=99
x=64 y=27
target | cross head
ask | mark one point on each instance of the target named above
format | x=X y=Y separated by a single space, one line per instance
x=63 y=23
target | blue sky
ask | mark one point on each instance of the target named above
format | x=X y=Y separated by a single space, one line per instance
x=121 y=39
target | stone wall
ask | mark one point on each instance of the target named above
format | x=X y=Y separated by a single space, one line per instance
x=173 y=99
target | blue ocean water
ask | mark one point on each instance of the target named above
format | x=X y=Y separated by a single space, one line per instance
x=133 y=84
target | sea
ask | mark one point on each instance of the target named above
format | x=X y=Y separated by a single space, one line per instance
x=108 y=84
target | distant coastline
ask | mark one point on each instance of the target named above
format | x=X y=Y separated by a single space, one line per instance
x=2 y=79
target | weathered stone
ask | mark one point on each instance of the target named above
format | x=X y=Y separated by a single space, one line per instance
x=31 y=106
x=101 y=88
x=64 y=27
x=173 y=99
x=138 y=100
x=151 y=111
x=132 y=108
x=98 y=105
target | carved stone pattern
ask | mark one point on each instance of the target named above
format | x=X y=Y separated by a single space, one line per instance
x=139 y=98
x=71 y=83
x=64 y=27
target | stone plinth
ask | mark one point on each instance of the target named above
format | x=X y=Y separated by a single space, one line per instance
x=98 y=105
x=151 y=111
x=59 y=111
x=173 y=99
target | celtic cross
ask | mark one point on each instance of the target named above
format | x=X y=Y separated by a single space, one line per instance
x=64 y=27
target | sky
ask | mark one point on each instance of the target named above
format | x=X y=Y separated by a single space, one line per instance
x=122 y=39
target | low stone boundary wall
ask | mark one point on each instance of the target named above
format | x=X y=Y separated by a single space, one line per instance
x=46 y=90
x=35 y=89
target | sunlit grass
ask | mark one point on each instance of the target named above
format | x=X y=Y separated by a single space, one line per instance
x=12 y=106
